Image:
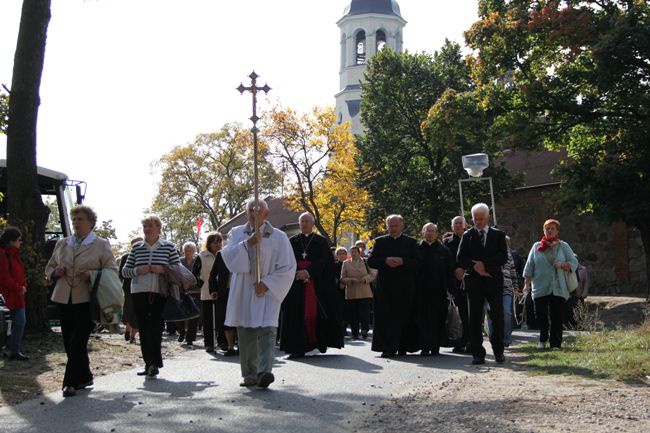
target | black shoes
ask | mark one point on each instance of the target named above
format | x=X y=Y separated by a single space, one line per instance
x=459 y=349
x=152 y=372
x=500 y=359
x=209 y=349
x=18 y=357
x=69 y=391
x=296 y=355
x=231 y=352
x=265 y=379
x=478 y=361
x=388 y=354
x=425 y=353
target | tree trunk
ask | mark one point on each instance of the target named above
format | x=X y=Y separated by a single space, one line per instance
x=644 y=229
x=25 y=208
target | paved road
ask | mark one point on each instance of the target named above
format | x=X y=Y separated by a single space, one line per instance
x=198 y=393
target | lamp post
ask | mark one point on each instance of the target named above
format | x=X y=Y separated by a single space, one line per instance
x=474 y=164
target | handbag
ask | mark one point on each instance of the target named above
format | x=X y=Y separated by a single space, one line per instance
x=453 y=323
x=179 y=310
x=571 y=280
x=106 y=297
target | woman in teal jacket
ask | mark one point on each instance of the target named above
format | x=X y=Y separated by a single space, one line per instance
x=547 y=262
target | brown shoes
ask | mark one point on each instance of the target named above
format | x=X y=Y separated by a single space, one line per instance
x=265 y=379
x=248 y=381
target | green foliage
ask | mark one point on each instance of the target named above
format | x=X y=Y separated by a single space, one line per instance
x=106 y=230
x=421 y=114
x=4 y=112
x=213 y=176
x=574 y=74
x=620 y=354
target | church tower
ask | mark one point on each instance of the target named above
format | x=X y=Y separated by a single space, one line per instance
x=367 y=26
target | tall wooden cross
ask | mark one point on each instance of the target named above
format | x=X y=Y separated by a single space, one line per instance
x=253 y=88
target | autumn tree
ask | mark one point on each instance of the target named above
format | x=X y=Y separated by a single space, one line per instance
x=318 y=155
x=421 y=115
x=575 y=74
x=213 y=177
x=25 y=208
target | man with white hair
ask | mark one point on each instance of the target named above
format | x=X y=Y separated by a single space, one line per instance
x=310 y=316
x=397 y=258
x=253 y=307
x=482 y=253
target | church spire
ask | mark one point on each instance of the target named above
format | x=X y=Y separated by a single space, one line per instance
x=367 y=26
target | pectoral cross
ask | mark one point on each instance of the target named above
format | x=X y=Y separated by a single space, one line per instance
x=304 y=255
x=254 y=89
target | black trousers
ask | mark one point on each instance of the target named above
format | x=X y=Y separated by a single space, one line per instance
x=148 y=310
x=478 y=294
x=76 y=326
x=552 y=307
x=359 y=314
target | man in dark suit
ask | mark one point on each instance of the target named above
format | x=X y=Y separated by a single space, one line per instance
x=482 y=253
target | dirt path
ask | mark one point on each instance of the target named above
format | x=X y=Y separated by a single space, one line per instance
x=509 y=400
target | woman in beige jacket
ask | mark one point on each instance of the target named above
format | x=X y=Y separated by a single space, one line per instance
x=357 y=276
x=69 y=268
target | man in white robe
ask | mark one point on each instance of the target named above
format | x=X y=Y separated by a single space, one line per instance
x=254 y=307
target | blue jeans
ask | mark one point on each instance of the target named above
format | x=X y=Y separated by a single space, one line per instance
x=507 y=320
x=17 y=330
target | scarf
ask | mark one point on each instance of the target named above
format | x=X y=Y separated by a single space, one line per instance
x=546 y=243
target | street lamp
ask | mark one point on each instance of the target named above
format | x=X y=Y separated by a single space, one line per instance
x=474 y=165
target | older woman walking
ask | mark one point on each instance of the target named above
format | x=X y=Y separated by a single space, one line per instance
x=144 y=266
x=69 y=267
x=357 y=276
x=545 y=268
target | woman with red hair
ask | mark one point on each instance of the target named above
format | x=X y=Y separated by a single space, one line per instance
x=545 y=269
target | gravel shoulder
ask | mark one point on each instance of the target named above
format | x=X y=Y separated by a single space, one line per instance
x=510 y=400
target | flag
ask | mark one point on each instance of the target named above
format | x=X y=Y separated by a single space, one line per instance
x=199 y=223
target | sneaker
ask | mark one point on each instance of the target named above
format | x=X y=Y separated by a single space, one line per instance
x=265 y=379
x=541 y=345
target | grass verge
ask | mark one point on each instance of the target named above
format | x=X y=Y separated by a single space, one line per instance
x=619 y=354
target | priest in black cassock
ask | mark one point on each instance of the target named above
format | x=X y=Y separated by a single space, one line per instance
x=397 y=258
x=435 y=280
x=310 y=316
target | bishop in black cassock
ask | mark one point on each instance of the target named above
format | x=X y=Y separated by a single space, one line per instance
x=397 y=258
x=310 y=316
x=435 y=280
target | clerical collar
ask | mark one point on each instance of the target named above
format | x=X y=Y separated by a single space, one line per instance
x=429 y=243
x=396 y=237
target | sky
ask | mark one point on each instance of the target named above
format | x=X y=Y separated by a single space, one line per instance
x=127 y=80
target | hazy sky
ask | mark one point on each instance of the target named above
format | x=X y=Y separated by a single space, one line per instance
x=126 y=80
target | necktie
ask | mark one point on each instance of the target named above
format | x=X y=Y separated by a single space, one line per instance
x=481 y=236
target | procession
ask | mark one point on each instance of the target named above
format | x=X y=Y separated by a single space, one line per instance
x=354 y=215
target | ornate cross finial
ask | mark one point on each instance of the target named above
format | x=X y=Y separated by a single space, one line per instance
x=253 y=88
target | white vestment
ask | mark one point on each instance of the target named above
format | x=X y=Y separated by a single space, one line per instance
x=278 y=270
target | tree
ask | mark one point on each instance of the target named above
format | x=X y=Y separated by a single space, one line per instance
x=4 y=112
x=576 y=74
x=24 y=205
x=420 y=115
x=213 y=176
x=319 y=155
